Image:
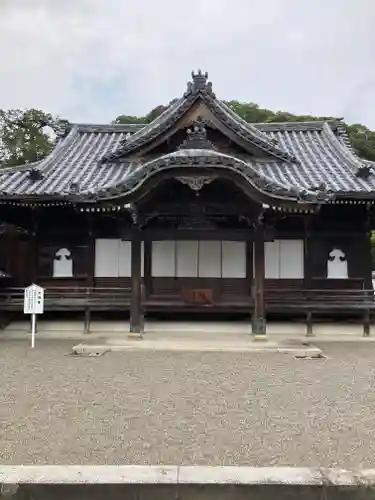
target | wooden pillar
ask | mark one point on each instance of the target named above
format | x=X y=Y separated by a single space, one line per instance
x=369 y=294
x=32 y=278
x=307 y=272
x=136 y=320
x=90 y=277
x=147 y=279
x=307 y=267
x=259 y=316
x=249 y=265
x=9 y=238
x=367 y=246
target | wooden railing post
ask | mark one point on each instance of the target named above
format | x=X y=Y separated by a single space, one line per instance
x=87 y=312
x=366 y=323
x=369 y=296
x=143 y=297
x=309 y=325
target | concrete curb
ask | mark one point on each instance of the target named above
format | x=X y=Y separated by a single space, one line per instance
x=184 y=475
x=271 y=347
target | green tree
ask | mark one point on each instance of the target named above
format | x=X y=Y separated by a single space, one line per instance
x=129 y=120
x=362 y=140
x=27 y=136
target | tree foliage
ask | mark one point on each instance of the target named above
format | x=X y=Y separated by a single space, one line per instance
x=26 y=136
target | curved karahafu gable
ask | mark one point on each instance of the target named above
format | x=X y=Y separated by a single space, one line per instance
x=200 y=89
x=209 y=162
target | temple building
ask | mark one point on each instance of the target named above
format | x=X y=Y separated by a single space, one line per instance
x=195 y=211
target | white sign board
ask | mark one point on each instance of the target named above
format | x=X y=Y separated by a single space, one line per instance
x=33 y=300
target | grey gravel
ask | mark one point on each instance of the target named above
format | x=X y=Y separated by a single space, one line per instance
x=145 y=407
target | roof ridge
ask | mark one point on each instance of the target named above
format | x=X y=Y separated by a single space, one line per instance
x=297 y=126
x=158 y=119
x=66 y=141
x=341 y=147
x=19 y=168
x=108 y=127
x=260 y=127
x=273 y=143
x=51 y=155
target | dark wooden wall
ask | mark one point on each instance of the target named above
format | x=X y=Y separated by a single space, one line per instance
x=29 y=257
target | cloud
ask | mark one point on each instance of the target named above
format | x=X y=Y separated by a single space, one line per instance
x=91 y=60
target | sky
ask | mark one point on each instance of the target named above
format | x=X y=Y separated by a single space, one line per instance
x=92 y=60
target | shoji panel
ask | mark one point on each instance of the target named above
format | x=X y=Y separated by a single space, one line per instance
x=291 y=259
x=187 y=259
x=106 y=258
x=163 y=259
x=209 y=260
x=271 y=256
x=233 y=259
x=125 y=259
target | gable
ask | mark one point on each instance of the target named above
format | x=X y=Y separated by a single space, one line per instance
x=198 y=101
x=221 y=137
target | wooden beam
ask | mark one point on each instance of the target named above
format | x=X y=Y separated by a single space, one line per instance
x=259 y=315
x=197 y=234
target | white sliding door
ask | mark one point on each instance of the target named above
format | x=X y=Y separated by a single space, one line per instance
x=163 y=259
x=187 y=259
x=209 y=261
x=272 y=260
x=113 y=258
x=106 y=258
x=284 y=259
x=124 y=261
x=291 y=259
x=233 y=259
x=199 y=259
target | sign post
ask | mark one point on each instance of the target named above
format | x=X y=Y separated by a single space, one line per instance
x=33 y=304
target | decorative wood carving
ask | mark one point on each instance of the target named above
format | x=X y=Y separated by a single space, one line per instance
x=198 y=222
x=196 y=183
x=197 y=136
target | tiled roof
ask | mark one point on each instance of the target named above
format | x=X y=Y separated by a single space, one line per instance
x=93 y=160
x=320 y=148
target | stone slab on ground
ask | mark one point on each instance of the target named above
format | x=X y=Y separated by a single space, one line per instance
x=184 y=482
x=121 y=345
x=177 y=474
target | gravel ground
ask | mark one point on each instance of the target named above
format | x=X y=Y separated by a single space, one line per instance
x=187 y=408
